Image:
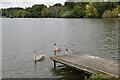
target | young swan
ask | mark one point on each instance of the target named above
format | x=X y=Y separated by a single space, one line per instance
x=66 y=51
x=56 y=48
x=39 y=57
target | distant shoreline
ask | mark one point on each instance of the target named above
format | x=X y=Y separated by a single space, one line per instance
x=68 y=10
x=62 y=18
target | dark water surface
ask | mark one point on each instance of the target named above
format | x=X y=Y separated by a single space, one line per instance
x=20 y=37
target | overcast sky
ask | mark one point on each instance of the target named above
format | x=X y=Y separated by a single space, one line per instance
x=27 y=3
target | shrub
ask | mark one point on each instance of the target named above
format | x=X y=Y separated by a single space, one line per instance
x=114 y=13
x=66 y=14
x=78 y=12
x=107 y=14
x=98 y=77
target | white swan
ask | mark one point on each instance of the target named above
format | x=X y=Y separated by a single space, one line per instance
x=38 y=58
x=56 y=48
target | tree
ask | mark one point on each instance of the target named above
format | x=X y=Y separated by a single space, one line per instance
x=78 y=12
x=66 y=14
x=81 y=4
x=91 y=11
x=107 y=14
x=36 y=10
x=57 y=4
x=4 y=12
x=9 y=12
x=69 y=5
x=69 y=9
x=44 y=13
x=38 y=7
x=118 y=8
x=102 y=6
x=114 y=13
x=0 y=12
x=63 y=12
x=54 y=11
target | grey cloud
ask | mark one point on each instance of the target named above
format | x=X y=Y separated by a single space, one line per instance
x=27 y=3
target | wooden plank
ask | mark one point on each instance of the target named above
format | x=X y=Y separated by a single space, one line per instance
x=88 y=63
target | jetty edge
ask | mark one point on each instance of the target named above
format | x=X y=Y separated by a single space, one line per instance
x=88 y=63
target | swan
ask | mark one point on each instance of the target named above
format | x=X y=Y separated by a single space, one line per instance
x=56 y=48
x=39 y=57
x=66 y=51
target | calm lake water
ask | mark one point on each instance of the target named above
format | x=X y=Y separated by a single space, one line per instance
x=20 y=37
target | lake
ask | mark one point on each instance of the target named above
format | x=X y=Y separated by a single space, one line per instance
x=21 y=36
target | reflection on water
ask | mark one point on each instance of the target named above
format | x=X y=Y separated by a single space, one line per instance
x=67 y=73
x=20 y=37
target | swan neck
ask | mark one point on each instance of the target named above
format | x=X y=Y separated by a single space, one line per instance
x=54 y=47
x=66 y=52
x=34 y=56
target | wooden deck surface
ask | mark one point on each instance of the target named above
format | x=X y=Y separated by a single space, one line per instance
x=88 y=63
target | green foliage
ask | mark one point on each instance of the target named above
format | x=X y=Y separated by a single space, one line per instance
x=78 y=12
x=118 y=8
x=68 y=10
x=81 y=4
x=69 y=5
x=57 y=4
x=21 y=14
x=98 y=77
x=37 y=10
x=44 y=13
x=111 y=14
x=102 y=6
x=91 y=11
x=54 y=11
x=107 y=14
x=114 y=13
x=38 y=7
x=0 y=12
x=9 y=12
x=66 y=14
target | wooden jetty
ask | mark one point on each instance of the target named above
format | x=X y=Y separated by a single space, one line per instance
x=87 y=63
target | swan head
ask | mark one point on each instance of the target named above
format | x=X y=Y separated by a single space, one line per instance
x=44 y=55
x=66 y=49
x=34 y=51
x=55 y=44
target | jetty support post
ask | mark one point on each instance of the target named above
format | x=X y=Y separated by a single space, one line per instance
x=55 y=52
x=54 y=64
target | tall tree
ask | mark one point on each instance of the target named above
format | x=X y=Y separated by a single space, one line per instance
x=91 y=11
x=69 y=5
x=78 y=12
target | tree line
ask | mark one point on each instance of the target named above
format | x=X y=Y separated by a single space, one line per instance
x=68 y=10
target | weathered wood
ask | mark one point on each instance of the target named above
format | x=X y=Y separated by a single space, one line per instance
x=88 y=63
x=54 y=64
x=55 y=53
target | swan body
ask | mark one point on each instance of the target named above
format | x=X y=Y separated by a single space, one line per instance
x=39 y=57
x=56 y=48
